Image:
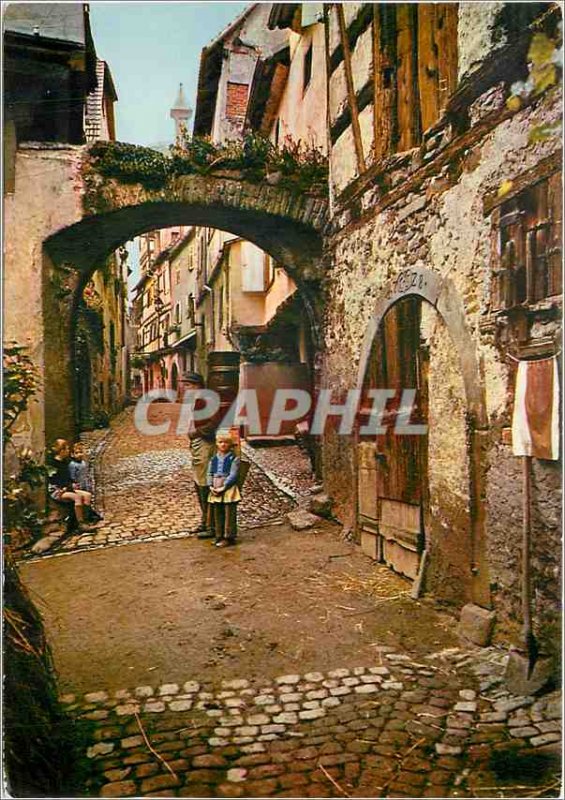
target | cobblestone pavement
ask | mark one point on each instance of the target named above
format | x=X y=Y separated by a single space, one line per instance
x=140 y=478
x=395 y=725
x=440 y=727
x=287 y=465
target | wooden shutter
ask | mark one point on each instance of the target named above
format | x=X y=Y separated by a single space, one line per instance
x=554 y=258
x=513 y=255
x=540 y=242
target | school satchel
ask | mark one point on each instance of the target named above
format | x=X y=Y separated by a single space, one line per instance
x=242 y=473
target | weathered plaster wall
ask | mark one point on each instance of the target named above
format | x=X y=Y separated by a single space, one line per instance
x=302 y=111
x=449 y=530
x=440 y=225
x=109 y=371
x=46 y=198
x=476 y=35
x=504 y=499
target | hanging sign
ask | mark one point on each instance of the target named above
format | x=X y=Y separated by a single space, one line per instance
x=535 y=422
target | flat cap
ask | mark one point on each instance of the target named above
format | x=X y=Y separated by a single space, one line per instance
x=193 y=377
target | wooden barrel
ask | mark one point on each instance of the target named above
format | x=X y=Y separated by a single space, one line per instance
x=223 y=378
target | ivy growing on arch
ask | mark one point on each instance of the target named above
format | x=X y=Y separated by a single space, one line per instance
x=295 y=165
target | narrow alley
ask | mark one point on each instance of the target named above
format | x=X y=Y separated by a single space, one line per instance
x=282 y=412
x=273 y=669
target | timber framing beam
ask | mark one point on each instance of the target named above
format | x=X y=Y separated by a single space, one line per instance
x=352 y=100
x=545 y=168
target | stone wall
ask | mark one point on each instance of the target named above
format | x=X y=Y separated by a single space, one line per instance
x=505 y=513
x=46 y=198
x=476 y=34
x=426 y=210
x=449 y=531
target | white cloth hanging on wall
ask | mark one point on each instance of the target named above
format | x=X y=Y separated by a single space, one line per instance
x=535 y=422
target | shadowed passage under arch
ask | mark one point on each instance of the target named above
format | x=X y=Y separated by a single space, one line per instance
x=287 y=225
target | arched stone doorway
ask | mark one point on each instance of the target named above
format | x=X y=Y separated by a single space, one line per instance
x=440 y=516
x=285 y=225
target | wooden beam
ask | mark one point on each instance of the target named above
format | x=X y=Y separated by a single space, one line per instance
x=351 y=90
x=382 y=94
x=378 y=172
x=408 y=111
x=428 y=68
x=445 y=38
x=525 y=180
x=377 y=84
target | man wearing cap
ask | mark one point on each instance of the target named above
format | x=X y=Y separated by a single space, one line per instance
x=201 y=435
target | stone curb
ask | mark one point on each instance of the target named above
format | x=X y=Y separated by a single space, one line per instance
x=279 y=483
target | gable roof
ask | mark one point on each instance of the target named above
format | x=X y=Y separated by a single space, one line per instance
x=63 y=22
x=209 y=74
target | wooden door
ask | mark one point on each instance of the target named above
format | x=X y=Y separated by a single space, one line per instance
x=392 y=466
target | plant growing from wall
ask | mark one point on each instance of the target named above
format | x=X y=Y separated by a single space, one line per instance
x=21 y=382
x=301 y=167
x=130 y=163
x=545 y=68
x=113 y=358
x=137 y=361
x=59 y=280
x=107 y=270
x=263 y=348
x=90 y=326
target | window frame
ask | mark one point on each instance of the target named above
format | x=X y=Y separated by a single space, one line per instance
x=527 y=246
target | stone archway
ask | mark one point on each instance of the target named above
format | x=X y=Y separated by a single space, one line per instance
x=442 y=295
x=101 y=214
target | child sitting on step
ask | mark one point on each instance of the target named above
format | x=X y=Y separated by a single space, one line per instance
x=80 y=475
x=61 y=487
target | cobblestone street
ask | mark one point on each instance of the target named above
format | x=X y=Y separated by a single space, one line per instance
x=399 y=729
x=292 y=666
x=144 y=486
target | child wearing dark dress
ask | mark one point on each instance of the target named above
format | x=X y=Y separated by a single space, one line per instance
x=223 y=471
x=62 y=488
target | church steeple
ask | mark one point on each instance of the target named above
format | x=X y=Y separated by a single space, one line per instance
x=180 y=111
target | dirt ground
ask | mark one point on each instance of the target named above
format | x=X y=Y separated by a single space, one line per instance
x=170 y=611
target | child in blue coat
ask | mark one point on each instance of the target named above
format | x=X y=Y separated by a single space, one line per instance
x=223 y=471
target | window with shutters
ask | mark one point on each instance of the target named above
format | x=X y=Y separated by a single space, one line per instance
x=190 y=308
x=415 y=70
x=528 y=246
